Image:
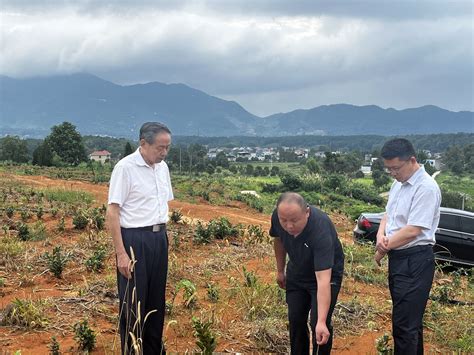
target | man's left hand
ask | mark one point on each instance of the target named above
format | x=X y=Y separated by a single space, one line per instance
x=322 y=333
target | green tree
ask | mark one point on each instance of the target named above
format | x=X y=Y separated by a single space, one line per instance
x=469 y=158
x=291 y=181
x=454 y=159
x=380 y=178
x=249 y=169
x=128 y=149
x=13 y=148
x=221 y=160
x=313 y=166
x=429 y=169
x=43 y=155
x=67 y=143
x=377 y=165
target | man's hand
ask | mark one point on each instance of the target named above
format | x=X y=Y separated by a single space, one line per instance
x=382 y=244
x=378 y=257
x=281 y=279
x=124 y=265
x=322 y=333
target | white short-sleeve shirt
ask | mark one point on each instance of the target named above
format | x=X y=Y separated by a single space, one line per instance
x=141 y=191
x=415 y=202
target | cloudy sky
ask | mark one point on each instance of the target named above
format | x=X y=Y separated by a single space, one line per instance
x=269 y=55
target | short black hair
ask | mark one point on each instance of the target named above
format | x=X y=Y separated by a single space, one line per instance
x=150 y=130
x=292 y=197
x=398 y=148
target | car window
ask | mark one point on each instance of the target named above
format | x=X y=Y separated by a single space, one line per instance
x=467 y=225
x=449 y=221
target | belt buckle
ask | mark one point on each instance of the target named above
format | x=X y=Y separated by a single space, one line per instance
x=156 y=228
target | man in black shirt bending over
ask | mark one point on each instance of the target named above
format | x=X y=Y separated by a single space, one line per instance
x=314 y=271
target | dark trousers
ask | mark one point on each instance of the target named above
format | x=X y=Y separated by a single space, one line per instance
x=410 y=277
x=148 y=282
x=301 y=300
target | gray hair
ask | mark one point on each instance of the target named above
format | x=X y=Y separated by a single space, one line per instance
x=292 y=197
x=150 y=130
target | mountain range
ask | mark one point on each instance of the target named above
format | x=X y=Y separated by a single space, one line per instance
x=31 y=106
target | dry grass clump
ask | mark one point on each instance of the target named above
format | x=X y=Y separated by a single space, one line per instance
x=25 y=314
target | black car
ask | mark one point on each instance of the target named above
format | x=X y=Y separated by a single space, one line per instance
x=454 y=236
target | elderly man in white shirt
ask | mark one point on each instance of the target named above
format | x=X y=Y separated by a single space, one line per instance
x=407 y=235
x=140 y=188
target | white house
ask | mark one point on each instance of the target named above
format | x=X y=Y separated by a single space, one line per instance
x=100 y=155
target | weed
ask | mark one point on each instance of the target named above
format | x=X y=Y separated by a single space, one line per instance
x=25 y=314
x=57 y=261
x=176 y=216
x=39 y=212
x=84 y=335
x=54 y=346
x=10 y=248
x=212 y=292
x=97 y=217
x=190 y=295
x=2 y=282
x=250 y=279
x=206 y=340
x=61 y=227
x=25 y=215
x=39 y=231
x=383 y=346
x=54 y=212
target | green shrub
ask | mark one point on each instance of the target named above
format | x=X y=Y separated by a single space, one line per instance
x=80 y=220
x=221 y=228
x=9 y=211
x=84 y=335
x=54 y=346
x=206 y=340
x=202 y=234
x=23 y=232
x=176 y=216
x=96 y=261
x=56 y=261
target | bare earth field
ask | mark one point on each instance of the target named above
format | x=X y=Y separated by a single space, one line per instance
x=81 y=294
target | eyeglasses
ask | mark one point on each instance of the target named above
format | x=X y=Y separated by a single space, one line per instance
x=395 y=169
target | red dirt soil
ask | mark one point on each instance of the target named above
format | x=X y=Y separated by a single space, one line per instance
x=36 y=342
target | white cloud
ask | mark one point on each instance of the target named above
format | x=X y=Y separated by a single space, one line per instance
x=268 y=58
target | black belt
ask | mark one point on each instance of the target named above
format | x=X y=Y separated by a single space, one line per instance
x=154 y=228
x=409 y=251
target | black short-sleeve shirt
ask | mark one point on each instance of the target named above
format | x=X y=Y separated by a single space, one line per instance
x=316 y=248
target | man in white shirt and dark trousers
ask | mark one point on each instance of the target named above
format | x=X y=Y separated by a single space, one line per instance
x=407 y=235
x=139 y=191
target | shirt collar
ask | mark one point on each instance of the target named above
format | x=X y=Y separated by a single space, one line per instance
x=139 y=159
x=412 y=180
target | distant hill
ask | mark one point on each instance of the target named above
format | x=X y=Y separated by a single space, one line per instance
x=96 y=106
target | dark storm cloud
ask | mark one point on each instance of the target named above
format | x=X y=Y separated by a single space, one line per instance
x=268 y=55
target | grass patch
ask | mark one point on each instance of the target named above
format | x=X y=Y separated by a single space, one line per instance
x=68 y=196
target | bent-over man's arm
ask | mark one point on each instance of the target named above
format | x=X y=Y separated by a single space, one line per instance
x=113 y=225
x=324 y=301
x=280 y=256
